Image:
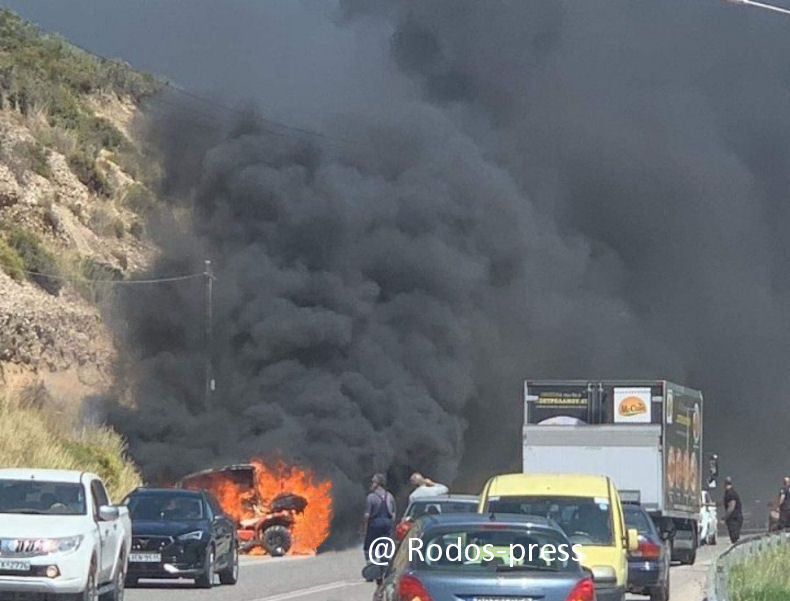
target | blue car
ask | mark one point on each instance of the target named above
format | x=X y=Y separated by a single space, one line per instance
x=648 y=565
x=476 y=556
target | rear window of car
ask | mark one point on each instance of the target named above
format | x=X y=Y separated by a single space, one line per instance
x=585 y=520
x=421 y=508
x=636 y=518
x=488 y=548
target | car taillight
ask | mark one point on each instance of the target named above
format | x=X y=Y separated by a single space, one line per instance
x=402 y=528
x=647 y=549
x=411 y=589
x=583 y=591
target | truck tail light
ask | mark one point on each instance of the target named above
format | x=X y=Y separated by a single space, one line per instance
x=647 y=549
x=411 y=589
x=583 y=591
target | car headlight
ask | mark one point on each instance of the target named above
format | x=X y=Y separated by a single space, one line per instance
x=66 y=544
x=194 y=535
x=45 y=546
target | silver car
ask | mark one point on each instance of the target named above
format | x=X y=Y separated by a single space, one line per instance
x=478 y=557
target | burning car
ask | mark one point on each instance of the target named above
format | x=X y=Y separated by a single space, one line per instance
x=261 y=522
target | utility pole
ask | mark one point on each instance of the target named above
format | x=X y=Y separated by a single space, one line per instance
x=209 y=275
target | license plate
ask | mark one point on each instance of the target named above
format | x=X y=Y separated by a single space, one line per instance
x=14 y=565
x=503 y=599
x=145 y=557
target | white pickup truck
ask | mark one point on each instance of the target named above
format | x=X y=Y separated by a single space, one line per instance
x=60 y=535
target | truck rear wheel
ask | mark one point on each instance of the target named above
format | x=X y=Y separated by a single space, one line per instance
x=277 y=540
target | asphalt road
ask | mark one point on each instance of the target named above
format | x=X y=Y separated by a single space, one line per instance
x=336 y=577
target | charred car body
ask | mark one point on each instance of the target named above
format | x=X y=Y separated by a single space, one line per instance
x=266 y=523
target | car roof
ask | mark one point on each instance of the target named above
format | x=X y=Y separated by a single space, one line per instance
x=455 y=519
x=180 y=492
x=572 y=485
x=447 y=497
x=46 y=475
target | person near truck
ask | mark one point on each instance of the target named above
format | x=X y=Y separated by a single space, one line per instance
x=379 y=519
x=425 y=487
x=733 y=515
x=784 y=504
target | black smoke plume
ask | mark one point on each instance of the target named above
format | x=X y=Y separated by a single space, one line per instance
x=567 y=190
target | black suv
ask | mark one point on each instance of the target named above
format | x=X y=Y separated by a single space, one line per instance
x=180 y=533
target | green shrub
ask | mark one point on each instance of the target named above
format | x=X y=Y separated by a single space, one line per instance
x=34 y=156
x=139 y=199
x=11 y=262
x=84 y=167
x=137 y=230
x=93 y=279
x=36 y=258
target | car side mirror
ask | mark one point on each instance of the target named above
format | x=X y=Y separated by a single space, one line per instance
x=632 y=538
x=713 y=470
x=109 y=513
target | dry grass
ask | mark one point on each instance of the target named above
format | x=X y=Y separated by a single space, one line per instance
x=31 y=435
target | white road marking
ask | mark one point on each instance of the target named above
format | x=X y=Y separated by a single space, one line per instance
x=313 y=589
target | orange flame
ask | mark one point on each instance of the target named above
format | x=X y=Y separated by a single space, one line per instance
x=312 y=527
x=246 y=506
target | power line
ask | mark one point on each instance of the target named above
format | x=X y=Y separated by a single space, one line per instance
x=178 y=278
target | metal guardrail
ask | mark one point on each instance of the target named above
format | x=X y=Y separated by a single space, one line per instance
x=746 y=547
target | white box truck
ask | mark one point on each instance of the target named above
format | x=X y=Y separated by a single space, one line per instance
x=646 y=435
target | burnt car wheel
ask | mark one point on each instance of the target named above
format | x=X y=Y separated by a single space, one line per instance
x=276 y=540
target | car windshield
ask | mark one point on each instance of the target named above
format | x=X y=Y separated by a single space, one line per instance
x=36 y=496
x=165 y=508
x=585 y=520
x=421 y=508
x=636 y=518
x=494 y=548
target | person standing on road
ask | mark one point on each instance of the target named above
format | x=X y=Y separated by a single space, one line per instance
x=784 y=505
x=733 y=515
x=425 y=487
x=379 y=519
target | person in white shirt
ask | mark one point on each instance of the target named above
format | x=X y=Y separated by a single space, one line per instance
x=425 y=487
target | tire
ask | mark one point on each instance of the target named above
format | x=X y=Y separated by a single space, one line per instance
x=119 y=583
x=230 y=575
x=660 y=593
x=277 y=540
x=689 y=558
x=91 y=592
x=206 y=579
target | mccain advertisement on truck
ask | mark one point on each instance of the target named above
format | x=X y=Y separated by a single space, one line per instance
x=682 y=448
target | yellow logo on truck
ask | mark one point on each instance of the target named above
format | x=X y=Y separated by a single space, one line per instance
x=632 y=405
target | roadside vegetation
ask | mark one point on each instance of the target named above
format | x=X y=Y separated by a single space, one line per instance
x=762 y=578
x=35 y=433
x=51 y=89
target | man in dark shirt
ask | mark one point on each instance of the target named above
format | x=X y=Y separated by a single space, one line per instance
x=784 y=505
x=379 y=520
x=733 y=514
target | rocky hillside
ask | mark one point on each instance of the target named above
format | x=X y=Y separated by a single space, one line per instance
x=74 y=194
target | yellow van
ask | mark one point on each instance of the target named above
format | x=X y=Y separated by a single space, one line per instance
x=586 y=507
